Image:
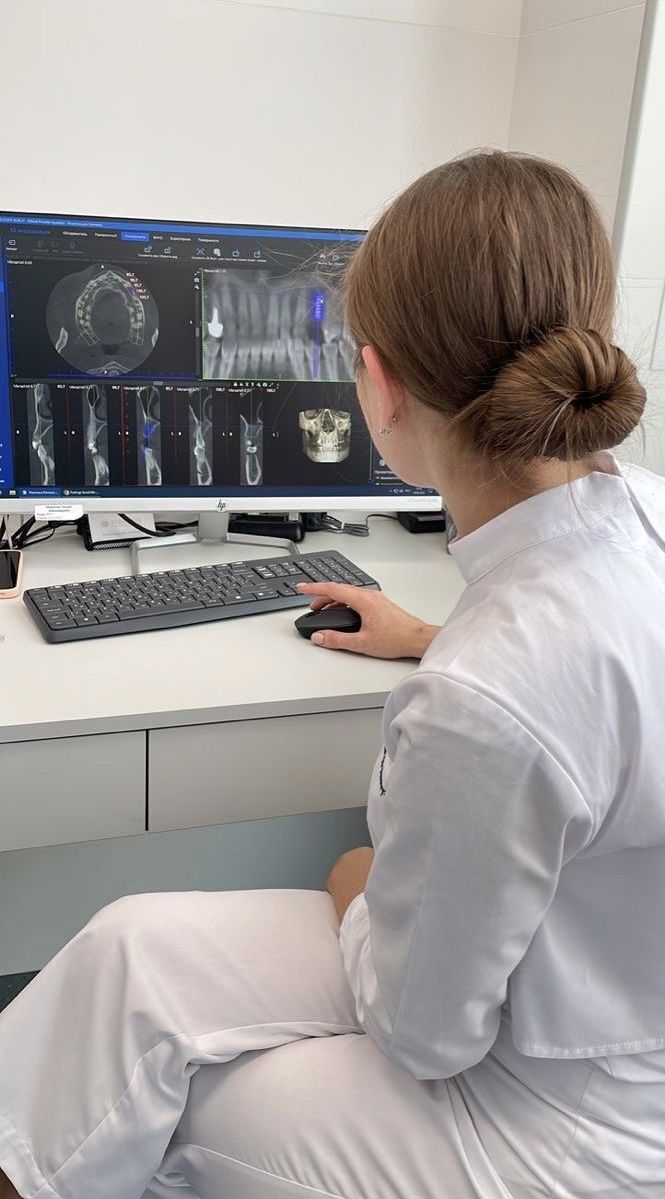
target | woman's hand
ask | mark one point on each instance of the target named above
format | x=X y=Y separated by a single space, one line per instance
x=348 y=877
x=387 y=631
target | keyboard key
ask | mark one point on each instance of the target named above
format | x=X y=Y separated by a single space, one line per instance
x=137 y=613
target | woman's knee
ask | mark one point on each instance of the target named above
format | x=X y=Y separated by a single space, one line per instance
x=132 y=917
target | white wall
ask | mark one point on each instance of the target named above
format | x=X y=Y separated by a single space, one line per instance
x=641 y=251
x=300 y=111
x=573 y=88
x=315 y=111
x=575 y=80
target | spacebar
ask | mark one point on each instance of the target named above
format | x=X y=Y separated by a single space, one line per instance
x=157 y=610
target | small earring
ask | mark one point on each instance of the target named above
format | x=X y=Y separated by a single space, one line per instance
x=384 y=432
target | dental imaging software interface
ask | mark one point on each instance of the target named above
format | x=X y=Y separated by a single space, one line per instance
x=178 y=359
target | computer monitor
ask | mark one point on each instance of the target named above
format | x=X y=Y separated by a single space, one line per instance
x=151 y=365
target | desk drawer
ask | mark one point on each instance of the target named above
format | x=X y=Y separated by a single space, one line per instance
x=71 y=789
x=251 y=769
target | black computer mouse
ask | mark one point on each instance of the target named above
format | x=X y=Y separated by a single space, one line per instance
x=342 y=620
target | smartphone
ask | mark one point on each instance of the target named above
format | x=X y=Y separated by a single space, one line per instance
x=11 y=562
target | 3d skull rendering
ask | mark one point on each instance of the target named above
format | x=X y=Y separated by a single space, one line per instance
x=326 y=434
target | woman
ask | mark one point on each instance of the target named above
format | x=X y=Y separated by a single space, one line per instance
x=489 y=1019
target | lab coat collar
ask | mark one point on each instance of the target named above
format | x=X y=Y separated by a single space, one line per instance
x=553 y=513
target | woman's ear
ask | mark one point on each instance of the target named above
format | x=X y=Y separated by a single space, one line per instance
x=388 y=392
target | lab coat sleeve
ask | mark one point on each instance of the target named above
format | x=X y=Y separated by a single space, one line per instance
x=477 y=821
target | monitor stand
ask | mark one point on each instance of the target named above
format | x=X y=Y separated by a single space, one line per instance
x=212 y=526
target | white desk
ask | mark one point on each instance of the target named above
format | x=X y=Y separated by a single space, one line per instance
x=228 y=721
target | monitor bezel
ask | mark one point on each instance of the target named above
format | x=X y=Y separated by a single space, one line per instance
x=245 y=503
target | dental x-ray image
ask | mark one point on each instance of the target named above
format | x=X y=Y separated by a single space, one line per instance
x=42 y=460
x=96 y=447
x=102 y=320
x=200 y=436
x=142 y=405
x=251 y=445
x=326 y=434
x=257 y=325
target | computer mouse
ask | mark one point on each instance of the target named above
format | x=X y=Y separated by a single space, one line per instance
x=341 y=619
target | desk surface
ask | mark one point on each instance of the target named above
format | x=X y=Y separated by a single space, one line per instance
x=245 y=668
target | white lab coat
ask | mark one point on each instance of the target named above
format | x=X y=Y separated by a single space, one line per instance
x=518 y=809
x=487 y=1023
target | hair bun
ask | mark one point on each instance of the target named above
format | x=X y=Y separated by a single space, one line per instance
x=567 y=395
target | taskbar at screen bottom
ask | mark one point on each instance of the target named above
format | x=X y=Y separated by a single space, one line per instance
x=240 y=499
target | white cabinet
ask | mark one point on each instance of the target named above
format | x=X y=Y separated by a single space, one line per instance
x=250 y=769
x=72 y=789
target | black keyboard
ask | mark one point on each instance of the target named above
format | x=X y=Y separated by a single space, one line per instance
x=168 y=598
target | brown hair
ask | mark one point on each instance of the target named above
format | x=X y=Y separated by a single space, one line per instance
x=487 y=288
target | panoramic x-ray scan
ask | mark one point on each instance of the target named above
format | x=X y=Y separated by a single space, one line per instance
x=200 y=436
x=326 y=434
x=148 y=425
x=261 y=326
x=42 y=461
x=102 y=320
x=251 y=446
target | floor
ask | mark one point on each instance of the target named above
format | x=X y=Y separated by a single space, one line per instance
x=11 y=984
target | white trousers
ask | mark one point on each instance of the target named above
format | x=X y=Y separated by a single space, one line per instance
x=101 y=1095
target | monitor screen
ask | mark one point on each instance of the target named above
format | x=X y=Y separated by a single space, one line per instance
x=152 y=364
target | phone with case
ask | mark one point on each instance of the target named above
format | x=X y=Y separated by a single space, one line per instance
x=11 y=565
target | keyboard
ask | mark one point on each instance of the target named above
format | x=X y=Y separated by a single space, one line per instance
x=170 y=598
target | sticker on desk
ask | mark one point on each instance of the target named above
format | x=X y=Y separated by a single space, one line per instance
x=58 y=511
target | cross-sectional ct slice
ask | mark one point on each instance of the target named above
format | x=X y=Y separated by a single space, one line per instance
x=102 y=320
x=96 y=436
x=200 y=437
x=251 y=446
x=42 y=461
x=148 y=423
